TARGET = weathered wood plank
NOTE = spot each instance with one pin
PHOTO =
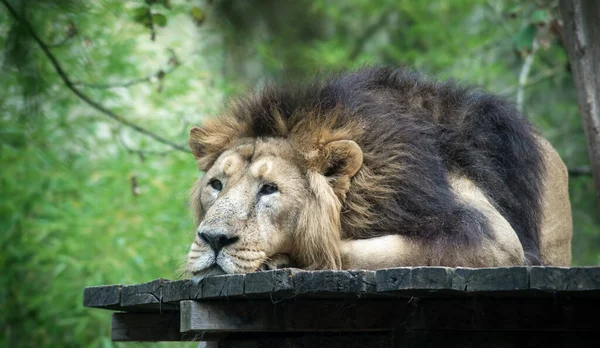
(335, 282)
(499, 279)
(451, 281)
(145, 296)
(423, 282)
(566, 279)
(418, 278)
(467, 313)
(409, 339)
(507, 314)
(153, 327)
(223, 286)
(104, 296)
(337, 340)
(175, 291)
(496, 339)
(148, 327)
(277, 282)
(288, 316)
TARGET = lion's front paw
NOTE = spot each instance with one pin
(276, 261)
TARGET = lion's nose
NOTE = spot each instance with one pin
(217, 241)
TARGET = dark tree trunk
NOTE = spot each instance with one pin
(581, 23)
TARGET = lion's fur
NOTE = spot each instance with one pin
(399, 140)
(317, 236)
(556, 230)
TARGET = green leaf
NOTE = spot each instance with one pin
(538, 16)
(524, 38)
(197, 15)
(166, 3)
(514, 11)
(141, 13)
(159, 19)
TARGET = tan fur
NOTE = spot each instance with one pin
(310, 210)
(317, 235)
(500, 249)
(503, 249)
(557, 226)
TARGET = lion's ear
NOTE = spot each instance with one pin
(196, 142)
(344, 158)
(206, 145)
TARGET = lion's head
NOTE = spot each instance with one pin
(261, 196)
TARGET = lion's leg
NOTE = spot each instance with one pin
(400, 251)
(381, 252)
(499, 247)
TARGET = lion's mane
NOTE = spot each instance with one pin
(414, 132)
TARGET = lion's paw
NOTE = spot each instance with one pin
(276, 261)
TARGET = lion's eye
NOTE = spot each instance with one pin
(216, 184)
(268, 189)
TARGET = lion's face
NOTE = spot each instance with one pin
(249, 202)
(260, 197)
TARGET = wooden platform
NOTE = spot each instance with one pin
(503, 307)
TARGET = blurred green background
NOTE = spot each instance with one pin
(86, 200)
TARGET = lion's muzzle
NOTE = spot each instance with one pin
(216, 252)
(217, 240)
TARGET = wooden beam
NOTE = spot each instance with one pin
(103, 296)
(153, 327)
(409, 339)
(465, 314)
(286, 316)
(149, 327)
(331, 340)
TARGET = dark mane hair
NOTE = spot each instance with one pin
(414, 131)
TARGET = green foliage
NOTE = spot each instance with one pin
(197, 15)
(524, 39)
(539, 16)
(71, 222)
(159, 19)
(71, 213)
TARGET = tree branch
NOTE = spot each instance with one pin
(160, 75)
(114, 85)
(580, 171)
(142, 153)
(67, 81)
(535, 80)
(524, 75)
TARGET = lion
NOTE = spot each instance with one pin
(375, 168)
